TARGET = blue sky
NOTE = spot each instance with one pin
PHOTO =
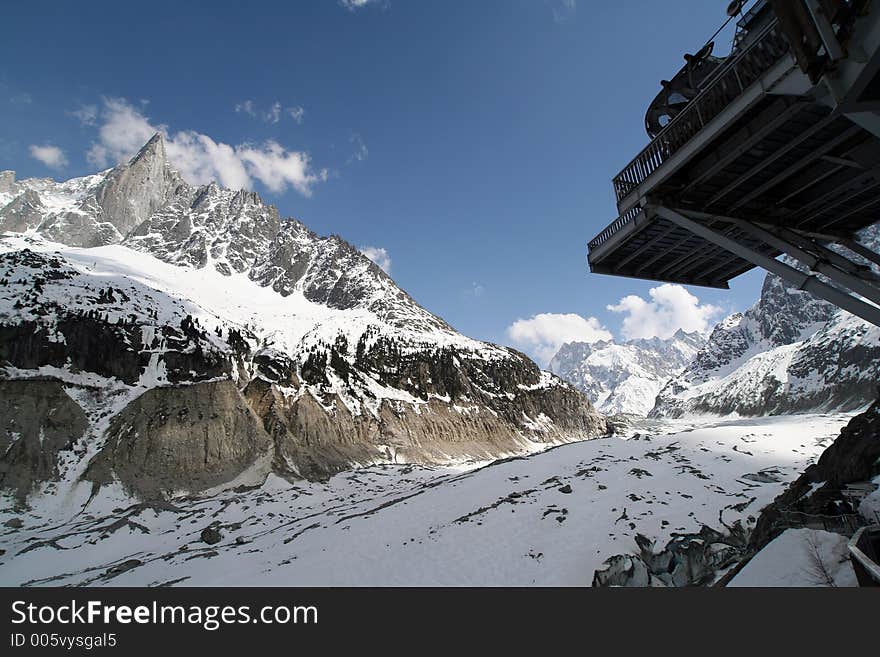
(473, 141)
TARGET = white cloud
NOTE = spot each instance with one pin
(276, 167)
(20, 99)
(52, 156)
(199, 158)
(354, 5)
(477, 290)
(87, 114)
(378, 255)
(670, 308)
(543, 335)
(122, 132)
(297, 113)
(361, 152)
(246, 106)
(274, 114)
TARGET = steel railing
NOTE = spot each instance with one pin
(863, 549)
(732, 78)
(614, 226)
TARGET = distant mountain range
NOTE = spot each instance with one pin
(625, 377)
(790, 352)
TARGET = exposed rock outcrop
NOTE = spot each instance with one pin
(187, 438)
(132, 192)
(854, 456)
(687, 560)
(38, 420)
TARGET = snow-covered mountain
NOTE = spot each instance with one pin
(790, 352)
(625, 377)
(173, 337)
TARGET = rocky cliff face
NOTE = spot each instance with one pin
(816, 499)
(625, 377)
(789, 352)
(206, 341)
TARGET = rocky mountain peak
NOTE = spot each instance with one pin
(7, 182)
(132, 192)
(154, 149)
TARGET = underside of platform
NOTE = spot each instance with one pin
(770, 158)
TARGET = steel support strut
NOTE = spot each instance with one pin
(862, 250)
(824, 266)
(804, 281)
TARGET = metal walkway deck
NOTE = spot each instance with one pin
(768, 158)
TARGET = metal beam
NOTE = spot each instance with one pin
(599, 269)
(806, 282)
(686, 264)
(734, 270)
(859, 208)
(848, 194)
(840, 261)
(826, 31)
(851, 132)
(678, 269)
(812, 262)
(663, 252)
(745, 139)
(647, 245)
(860, 249)
(626, 232)
(842, 161)
(805, 184)
(767, 161)
(719, 271)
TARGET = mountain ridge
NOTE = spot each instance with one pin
(125, 285)
(625, 377)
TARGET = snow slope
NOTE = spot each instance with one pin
(551, 518)
(800, 557)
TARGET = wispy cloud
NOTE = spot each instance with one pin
(296, 113)
(247, 107)
(563, 10)
(14, 97)
(52, 156)
(20, 99)
(86, 114)
(378, 255)
(475, 291)
(543, 334)
(354, 5)
(274, 114)
(671, 307)
(200, 159)
(361, 152)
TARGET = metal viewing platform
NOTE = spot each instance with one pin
(774, 149)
